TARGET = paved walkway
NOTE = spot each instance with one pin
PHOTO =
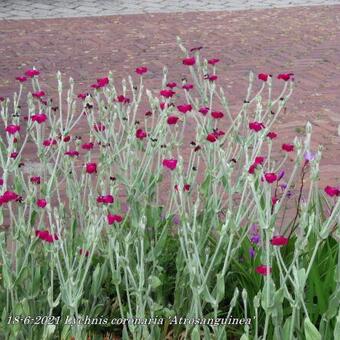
(273, 41)
(302, 40)
(28, 9)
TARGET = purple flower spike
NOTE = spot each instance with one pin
(252, 252)
(255, 239)
(176, 220)
(283, 186)
(309, 156)
(253, 228)
(281, 174)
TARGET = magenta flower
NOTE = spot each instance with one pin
(167, 93)
(122, 99)
(274, 200)
(279, 241)
(141, 134)
(114, 219)
(203, 110)
(213, 61)
(46, 236)
(211, 138)
(184, 108)
(41, 203)
(270, 177)
(49, 142)
(39, 118)
(256, 126)
(263, 76)
(332, 191)
(218, 133)
(82, 96)
(35, 180)
(99, 127)
(91, 168)
(172, 120)
(106, 199)
(102, 82)
(271, 135)
(171, 85)
(190, 61)
(141, 70)
(9, 196)
(85, 253)
(194, 49)
(12, 129)
(32, 73)
(287, 147)
(252, 168)
(263, 269)
(285, 76)
(188, 87)
(259, 160)
(170, 163)
(21, 79)
(72, 153)
(217, 115)
(87, 146)
(38, 94)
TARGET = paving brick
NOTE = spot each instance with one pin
(91, 7)
(273, 41)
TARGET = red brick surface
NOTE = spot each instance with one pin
(305, 41)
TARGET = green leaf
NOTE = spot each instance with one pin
(116, 278)
(311, 332)
(33, 218)
(154, 281)
(220, 288)
(333, 305)
(195, 334)
(158, 249)
(96, 282)
(22, 275)
(337, 327)
(17, 184)
(286, 328)
(25, 307)
(6, 276)
(43, 189)
(267, 301)
(207, 296)
(206, 185)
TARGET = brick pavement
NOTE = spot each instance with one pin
(28, 9)
(272, 41)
